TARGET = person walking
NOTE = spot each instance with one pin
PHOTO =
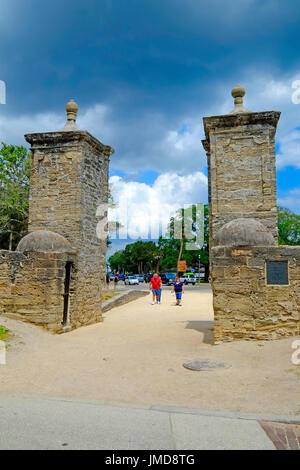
(116, 280)
(178, 288)
(107, 280)
(156, 286)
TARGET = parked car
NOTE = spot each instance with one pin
(164, 278)
(167, 278)
(148, 277)
(171, 278)
(201, 275)
(140, 278)
(188, 279)
(131, 281)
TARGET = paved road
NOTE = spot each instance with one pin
(145, 286)
(34, 424)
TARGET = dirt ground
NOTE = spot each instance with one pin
(135, 357)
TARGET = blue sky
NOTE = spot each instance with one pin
(144, 73)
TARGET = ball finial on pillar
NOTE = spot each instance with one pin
(238, 93)
(71, 109)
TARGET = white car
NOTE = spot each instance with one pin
(131, 281)
(188, 279)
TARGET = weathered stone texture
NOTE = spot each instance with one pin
(242, 172)
(245, 306)
(32, 287)
(69, 180)
(240, 150)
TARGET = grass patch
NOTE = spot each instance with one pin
(108, 295)
(3, 333)
(295, 370)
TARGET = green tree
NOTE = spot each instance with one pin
(169, 247)
(288, 227)
(140, 254)
(179, 249)
(117, 261)
(14, 192)
(136, 257)
(192, 256)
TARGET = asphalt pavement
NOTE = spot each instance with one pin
(145, 286)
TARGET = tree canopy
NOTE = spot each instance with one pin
(139, 256)
(14, 193)
(288, 227)
(163, 255)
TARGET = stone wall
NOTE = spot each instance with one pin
(242, 168)
(69, 180)
(32, 287)
(245, 306)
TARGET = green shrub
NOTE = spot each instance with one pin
(3, 332)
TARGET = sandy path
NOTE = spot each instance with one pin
(135, 357)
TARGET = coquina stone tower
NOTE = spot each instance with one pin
(256, 283)
(240, 150)
(69, 180)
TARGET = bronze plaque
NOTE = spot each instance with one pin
(277, 273)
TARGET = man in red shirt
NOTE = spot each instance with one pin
(156, 285)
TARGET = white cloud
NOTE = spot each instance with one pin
(13, 128)
(289, 150)
(144, 210)
(156, 141)
(270, 92)
(291, 200)
(184, 145)
(147, 143)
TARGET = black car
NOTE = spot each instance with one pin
(148, 277)
(167, 278)
(164, 278)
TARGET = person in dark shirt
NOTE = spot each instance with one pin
(116, 280)
(178, 288)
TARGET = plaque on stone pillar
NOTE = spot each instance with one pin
(277, 273)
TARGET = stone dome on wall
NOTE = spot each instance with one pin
(244, 232)
(45, 241)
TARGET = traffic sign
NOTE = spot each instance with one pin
(181, 267)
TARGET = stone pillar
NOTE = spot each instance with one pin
(69, 180)
(240, 148)
(255, 282)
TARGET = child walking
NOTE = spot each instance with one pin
(178, 288)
